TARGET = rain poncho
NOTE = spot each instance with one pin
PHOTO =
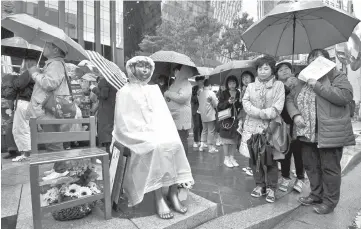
(143, 123)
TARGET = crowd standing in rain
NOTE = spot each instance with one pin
(266, 115)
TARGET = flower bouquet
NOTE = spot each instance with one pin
(183, 190)
(79, 182)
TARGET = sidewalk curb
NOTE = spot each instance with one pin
(348, 162)
(261, 217)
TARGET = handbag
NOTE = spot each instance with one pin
(224, 114)
(279, 138)
(61, 106)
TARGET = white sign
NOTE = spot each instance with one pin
(317, 69)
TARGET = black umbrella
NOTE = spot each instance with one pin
(18, 47)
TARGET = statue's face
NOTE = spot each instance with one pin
(142, 70)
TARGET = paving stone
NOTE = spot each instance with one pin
(200, 211)
(10, 199)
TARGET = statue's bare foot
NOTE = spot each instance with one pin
(163, 210)
(174, 201)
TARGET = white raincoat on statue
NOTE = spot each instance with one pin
(143, 123)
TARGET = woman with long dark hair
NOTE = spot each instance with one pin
(230, 99)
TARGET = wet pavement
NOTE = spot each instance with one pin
(230, 188)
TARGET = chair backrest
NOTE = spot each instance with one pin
(56, 137)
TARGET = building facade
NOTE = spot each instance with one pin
(226, 11)
(172, 10)
(96, 25)
(140, 18)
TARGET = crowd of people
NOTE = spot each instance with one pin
(317, 113)
(27, 91)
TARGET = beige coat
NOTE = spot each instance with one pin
(258, 117)
(206, 108)
(52, 79)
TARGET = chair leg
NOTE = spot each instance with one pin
(106, 180)
(35, 196)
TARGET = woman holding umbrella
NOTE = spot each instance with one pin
(320, 111)
(178, 98)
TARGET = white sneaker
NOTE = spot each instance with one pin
(218, 143)
(201, 147)
(227, 162)
(55, 175)
(233, 161)
(249, 172)
(195, 145)
(211, 150)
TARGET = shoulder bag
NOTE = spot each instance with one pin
(61, 106)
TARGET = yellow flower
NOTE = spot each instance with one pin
(85, 191)
(72, 191)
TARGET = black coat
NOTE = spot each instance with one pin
(106, 95)
(223, 104)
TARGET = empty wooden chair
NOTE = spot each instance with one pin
(66, 155)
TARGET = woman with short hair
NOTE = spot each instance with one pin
(320, 111)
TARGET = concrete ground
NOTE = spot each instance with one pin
(343, 215)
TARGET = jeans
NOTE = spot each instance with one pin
(197, 127)
(324, 172)
(295, 150)
(183, 134)
(208, 132)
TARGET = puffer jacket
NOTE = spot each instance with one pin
(333, 95)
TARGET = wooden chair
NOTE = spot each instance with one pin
(66, 155)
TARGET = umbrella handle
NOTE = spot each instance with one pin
(41, 55)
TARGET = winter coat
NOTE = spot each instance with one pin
(106, 94)
(179, 103)
(206, 108)
(50, 80)
(258, 117)
(333, 95)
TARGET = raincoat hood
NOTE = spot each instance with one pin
(139, 78)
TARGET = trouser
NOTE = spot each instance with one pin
(197, 127)
(208, 132)
(9, 138)
(295, 150)
(21, 127)
(267, 176)
(58, 166)
(324, 172)
(183, 134)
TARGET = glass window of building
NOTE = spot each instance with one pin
(119, 24)
(71, 18)
(105, 23)
(89, 21)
